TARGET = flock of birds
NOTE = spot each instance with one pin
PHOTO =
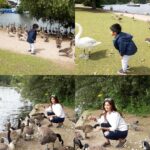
(87, 128)
(28, 129)
(45, 34)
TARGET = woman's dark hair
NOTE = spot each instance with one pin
(111, 102)
(113, 106)
(35, 26)
(55, 97)
(116, 28)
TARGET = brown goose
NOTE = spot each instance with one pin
(86, 129)
(48, 136)
(27, 131)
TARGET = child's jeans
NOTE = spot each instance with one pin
(124, 62)
(32, 47)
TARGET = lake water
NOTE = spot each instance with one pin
(143, 9)
(25, 19)
(12, 106)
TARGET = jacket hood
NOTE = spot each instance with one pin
(124, 36)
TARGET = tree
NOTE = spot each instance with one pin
(62, 10)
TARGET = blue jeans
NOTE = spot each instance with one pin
(55, 119)
(114, 135)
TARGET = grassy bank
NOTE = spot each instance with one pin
(104, 58)
(19, 64)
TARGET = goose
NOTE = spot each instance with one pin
(145, 145)
(86, 129)
(48, 136)
(39, 116)
(67, 148)
(96, 147)
(84, 42)
(67, 50)
(147, 40)
(77, 143)
(11, 143)
(58, 42)
(27, 131)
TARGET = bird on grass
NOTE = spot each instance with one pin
(86, 43)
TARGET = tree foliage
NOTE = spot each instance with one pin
(62, 10)
(131, 94)
(38, 89)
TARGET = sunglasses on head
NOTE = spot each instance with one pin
(108, 99)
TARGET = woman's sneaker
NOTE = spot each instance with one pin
(121, 72)
(121, 143)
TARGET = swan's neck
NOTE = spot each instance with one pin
(79, 32)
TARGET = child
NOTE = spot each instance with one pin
(32, 37)
(124, 44)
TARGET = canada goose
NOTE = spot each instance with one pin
(96, 147)
(78, 135)
(77, 143)
(134, 125)
(58, 42)
(86, 129)
(27, 131)
(67, 50)
(48, 136)
(10, 145)
(67, 148)
(46, 37)
(39, 116)
(145, 145)
(147, 40)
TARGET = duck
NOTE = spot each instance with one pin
(48, 136)
(86, 129)
(84, 42)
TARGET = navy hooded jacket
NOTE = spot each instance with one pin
(124, 44)
(31, 36)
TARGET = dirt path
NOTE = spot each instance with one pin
(134, 138)
(67, 132)
(47, 50)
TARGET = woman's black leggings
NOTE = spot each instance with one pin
(113, 135)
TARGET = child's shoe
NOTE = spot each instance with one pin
(121, 72)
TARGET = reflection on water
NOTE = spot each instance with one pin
(143, 9)
(12, 106)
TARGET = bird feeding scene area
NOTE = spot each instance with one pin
(43, 120)
(37, 42)
(95, 51)
(115, 113)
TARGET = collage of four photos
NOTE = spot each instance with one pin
(74, 75)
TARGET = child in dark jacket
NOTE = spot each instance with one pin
(124, 44)
(32, 38)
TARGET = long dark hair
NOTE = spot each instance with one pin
(113, 106)
(55, 97)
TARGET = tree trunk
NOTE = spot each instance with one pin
(93, 4)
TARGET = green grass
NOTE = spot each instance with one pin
(105, 58)
(19, 64)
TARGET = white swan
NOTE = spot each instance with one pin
(84, 42)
